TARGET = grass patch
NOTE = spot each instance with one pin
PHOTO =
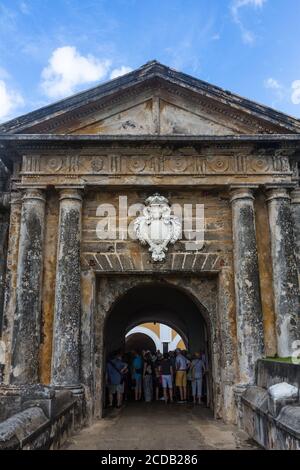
(287, 360)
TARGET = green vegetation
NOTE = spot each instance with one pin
(280, 359)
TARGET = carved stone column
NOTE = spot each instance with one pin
(11, 282)
(285, 277)
(26, 328)
(247, 287)
(66, 334)
(295, 195)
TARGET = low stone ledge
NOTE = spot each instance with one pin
(47, 417)
(269, 373)
(289, 420)
(271, 432)
(256, 398)
(15, 430)
(280, 395)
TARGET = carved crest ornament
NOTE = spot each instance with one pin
(157, 227)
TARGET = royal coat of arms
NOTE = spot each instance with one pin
(157, 227)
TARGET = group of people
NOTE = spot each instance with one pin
(176, 375)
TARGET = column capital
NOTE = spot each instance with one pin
(277, 192)
(295, 196)
(241, 192)
(69, 193)
(34, 194)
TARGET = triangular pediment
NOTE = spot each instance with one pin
(153, 116)
(154, 100)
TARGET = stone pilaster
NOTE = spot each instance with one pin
(295, 200)
(27, 316)
(285, 278)
(228, 354)
(10, 283)
(66, 334)
(247, 287)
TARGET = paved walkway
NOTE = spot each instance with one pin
(156, 426)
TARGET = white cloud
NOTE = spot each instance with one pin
(272, 83)
(278, 90)
(247, 36)
(295, 97)
(120, 71)
(67, 70)
(10, 100)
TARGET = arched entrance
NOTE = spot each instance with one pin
(139, 341)
(158, 302)
(164, 338)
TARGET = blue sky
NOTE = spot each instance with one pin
(50, 49)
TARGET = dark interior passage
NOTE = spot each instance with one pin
(159, 302)
(156, 302)
(139, 341)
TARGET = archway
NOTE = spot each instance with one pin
(164, 337)
(158, 302)
(138, 341)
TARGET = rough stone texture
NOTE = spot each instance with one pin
(247, 285)
(46, 422)
(87, 343)
(15, 430)
(281, 432)
(228, 357)
(66, 334)
(4, 226)
(270, 418)
(11, 284)
(269, 373)
(295, 200)
(27, 318)
(50, 252)
(263, 240)
(280, 395)
(285, 277)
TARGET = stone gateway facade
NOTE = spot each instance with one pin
(68, 296)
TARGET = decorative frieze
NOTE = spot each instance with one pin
(149, 164)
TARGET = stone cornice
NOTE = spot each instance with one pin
(260, 138)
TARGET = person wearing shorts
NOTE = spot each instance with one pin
(167, 377)
(182, 365)
(115, 371)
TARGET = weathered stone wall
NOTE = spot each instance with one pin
(272, 372)
(49, 273)
(174, 175)
(263, 241)
(270, 410)
(128, 255)
(37, 428)
(11, 282)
